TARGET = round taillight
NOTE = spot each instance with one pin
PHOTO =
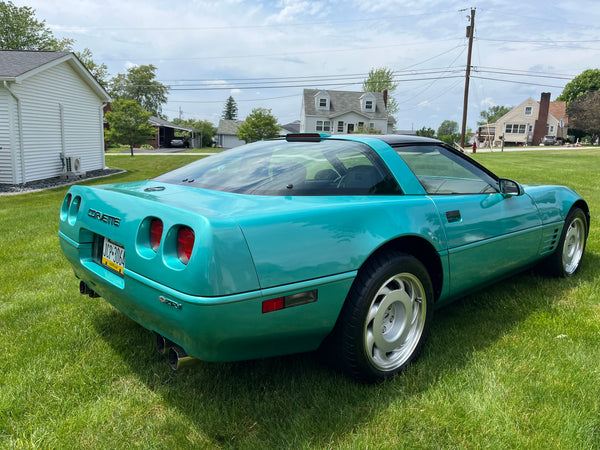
(156, 231)
(185, 244)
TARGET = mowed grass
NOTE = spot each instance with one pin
(515, 365)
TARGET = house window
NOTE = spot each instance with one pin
(361, 124)
(528, 110)
(323, 125)
(369, 104)
(323, 103)
(530, 129)
(340, 127)
(372, 125)
(515, 128)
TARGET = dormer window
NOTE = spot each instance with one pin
(322, 101)
(367, 102)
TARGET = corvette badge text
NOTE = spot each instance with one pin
(166, 301)
(111, 220)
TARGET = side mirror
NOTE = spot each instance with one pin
(510, 188)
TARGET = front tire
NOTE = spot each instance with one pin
(385, 318)
(566, 260)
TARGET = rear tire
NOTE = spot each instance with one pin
(566, 259)
(385, 318)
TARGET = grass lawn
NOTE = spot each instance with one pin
(513, 366)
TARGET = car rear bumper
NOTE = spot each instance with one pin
(225, 328)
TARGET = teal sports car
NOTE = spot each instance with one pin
(344, 244)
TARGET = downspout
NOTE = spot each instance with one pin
(102, 137)
(20, 123)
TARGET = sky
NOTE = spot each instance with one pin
(264, 53)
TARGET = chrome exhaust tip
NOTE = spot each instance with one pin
(178, 358)
(163, 344)
(84, 289)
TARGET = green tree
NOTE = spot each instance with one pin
(20, 30)
(448, 127)
(586, 81)
(99, 71)
(426, 132)
(260, 124)
(584, 114)
(139, 84)
(380, 80)
(449, 132)
(128, 124)
(230, 111)
(492, 114)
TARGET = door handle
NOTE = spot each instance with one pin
(453, 216)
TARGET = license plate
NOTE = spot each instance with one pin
(113, 256)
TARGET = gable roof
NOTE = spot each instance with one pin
(559, 111)
(15, 63)
(229, 127)
(342, 102)
(18, 65)
(158, 122)
(292, 127)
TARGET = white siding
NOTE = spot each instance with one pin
(310, 123)
(228, 141)
(41, 98)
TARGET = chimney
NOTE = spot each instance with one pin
(539, 131)
(385, 97)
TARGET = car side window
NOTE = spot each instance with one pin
(441, 172)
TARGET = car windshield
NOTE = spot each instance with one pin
(278, 167)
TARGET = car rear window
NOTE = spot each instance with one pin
(278, 167)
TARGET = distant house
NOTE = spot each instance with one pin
(343, 112)
(292, 127)
(51, 116)
(527, 123)
(227, 133)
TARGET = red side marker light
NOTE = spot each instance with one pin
(274, 304)
(301, 298)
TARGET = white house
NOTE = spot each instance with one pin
(343, 112)
(51, 116)
(227, 133)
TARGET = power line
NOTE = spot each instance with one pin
(518, 82)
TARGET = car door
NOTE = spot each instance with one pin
(488, 234)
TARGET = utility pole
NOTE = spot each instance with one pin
(470, 33)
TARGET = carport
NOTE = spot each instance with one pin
(165, 131)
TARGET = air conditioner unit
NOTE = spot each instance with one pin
(73, 165)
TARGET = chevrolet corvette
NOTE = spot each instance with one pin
(344, 244)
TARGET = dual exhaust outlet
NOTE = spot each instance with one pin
(84, 289)
(176, 355)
